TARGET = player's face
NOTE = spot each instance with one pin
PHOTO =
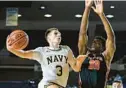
(96, 45)
(116, 85)
(55, 36)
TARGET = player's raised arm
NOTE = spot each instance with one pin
(16, 42)
(75, 63)
(83, 38)
(110, 42)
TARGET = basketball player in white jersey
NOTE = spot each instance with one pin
(54, 59)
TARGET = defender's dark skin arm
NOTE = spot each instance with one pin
(83, 38)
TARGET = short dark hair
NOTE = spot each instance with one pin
(49, 30)
(102, 39)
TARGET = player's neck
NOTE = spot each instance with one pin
(54, 46)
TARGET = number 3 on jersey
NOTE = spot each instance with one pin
(59, 70)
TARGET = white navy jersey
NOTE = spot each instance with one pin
(54, 65)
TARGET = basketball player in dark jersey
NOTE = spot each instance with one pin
(97, 58)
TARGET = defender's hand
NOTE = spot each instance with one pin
(88, 3)
(98, 6)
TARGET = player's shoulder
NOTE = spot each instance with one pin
(45, 48)
(65, 47)
(40, 48)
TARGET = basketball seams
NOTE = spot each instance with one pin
(17, 31)
(11, 35)
(18, 39)
(22, 46)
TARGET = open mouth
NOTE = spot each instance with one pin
(59, 38)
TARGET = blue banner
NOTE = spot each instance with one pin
(11, 16)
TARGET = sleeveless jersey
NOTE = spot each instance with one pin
(54, 65)
(93, 77)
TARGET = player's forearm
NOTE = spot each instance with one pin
(76, 67)
(17, 52)
(84, 21)
(107, 26)
(78, 63)
(83, 38)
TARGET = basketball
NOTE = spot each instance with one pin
(18, 39)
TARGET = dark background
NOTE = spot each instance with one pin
(35, 24)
